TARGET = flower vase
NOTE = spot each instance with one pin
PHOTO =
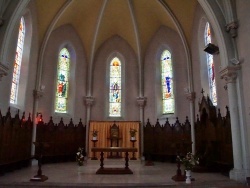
(80, 163)
(188, 176)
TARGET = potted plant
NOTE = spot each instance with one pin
(189, 161)
(95, 134)
(132, 133)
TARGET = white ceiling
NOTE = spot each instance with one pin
(134, 20)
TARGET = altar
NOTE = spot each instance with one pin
(104, 138)
(125, 170)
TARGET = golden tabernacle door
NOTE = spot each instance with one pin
(113, 134)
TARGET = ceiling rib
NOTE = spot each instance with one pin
(94, 46)
(46, 38)
(183, 39)
(138, 44)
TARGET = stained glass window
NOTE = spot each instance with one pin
(210, 66)
(167, 82)
(115, 88)
(17, 63)
(62, 85)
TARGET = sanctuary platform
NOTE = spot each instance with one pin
(69, 175)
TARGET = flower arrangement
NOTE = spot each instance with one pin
(94, 133)
(132, 132)
(189, 161)
(80, 156)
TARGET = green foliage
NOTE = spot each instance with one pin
(80, 156)
(189, 161)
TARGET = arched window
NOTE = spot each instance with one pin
(115, 88)
(17, 63)
(167, 83)
(210, 67)
(62, 81)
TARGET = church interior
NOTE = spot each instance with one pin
(173, 76)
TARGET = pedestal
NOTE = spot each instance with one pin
(94, 145)
(179, 176)
(133, 154)
(39, 177)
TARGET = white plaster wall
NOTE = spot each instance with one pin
(99, 111)
(243, 43)
(28, 66)
(5, 85)
(64, 36)
(31, 56)
(200, 74)
(165, 38)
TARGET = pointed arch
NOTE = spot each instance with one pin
(167, 83)
(62, 85)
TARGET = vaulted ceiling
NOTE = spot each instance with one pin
(95, 21)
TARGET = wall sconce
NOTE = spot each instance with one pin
(211, 49)
(39, 117)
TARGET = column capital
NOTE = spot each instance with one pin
(232, 28)
(37, 94)
(229, 73)
(141, 101)
(190, 96)
(3, 71)
(89, 100)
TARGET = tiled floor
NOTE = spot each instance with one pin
(69, 174)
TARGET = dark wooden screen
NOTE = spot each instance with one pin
(63, 140)
(15, 142)
(165, 142)
(213, 138)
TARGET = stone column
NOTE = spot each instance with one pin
(37, 94)
(89, 101)
(191, 97)
(141, 101)
(229, 74)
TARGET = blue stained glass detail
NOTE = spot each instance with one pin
(168, 83)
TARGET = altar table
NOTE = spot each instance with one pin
(103, 170)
